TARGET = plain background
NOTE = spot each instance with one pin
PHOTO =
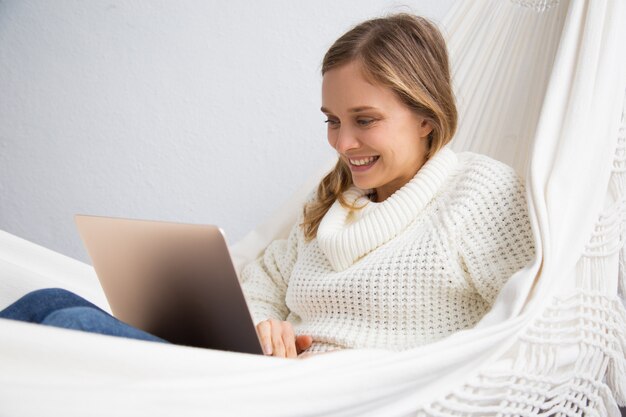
(189, 111)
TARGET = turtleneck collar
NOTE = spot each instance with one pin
(345, 240)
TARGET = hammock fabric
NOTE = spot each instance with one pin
(541, 85)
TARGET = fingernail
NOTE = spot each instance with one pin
(268, 349)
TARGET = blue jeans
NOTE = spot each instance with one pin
(62, 308)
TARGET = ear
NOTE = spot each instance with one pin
(425, 127)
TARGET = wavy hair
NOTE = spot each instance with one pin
(407, 54)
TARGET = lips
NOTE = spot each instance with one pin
(362, 158)
(362, 168)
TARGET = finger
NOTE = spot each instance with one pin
(265, 335)
(303, 342)
(289, 340)
(277, 339)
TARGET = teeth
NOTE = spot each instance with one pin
(363, 161)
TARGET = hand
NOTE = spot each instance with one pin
(278, 339)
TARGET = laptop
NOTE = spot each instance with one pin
(176, 281)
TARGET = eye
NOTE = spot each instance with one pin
(331, 123)
(364, 122)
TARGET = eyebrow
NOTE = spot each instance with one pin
(352, 110)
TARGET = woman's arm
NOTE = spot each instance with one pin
(496, 240)
(265, 282)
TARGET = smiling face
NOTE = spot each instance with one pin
(368, 120)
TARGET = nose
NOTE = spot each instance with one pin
(344, 139)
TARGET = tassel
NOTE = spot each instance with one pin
(608, 407)
(616, 380)
(616, 373)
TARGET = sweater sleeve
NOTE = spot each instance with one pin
(496, 238)
(264, 280)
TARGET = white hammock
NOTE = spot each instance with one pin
(541, 85)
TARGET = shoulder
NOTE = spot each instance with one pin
(484, 190)
(478, 166)
(484, 177)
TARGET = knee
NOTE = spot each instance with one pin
(78, 318)
(49, 294)
(55, 299)
(36, 305)
(94, 320)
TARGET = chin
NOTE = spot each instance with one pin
(363, 185)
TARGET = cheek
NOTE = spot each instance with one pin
(377, 140)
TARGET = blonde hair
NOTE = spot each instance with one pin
(407, 54)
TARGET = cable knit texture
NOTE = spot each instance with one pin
(426, 262)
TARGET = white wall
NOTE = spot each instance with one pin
(189, 111)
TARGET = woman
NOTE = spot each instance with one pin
(403, 243)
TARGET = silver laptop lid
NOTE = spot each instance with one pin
(174, 280)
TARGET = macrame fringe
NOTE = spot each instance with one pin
(622, 241)
(616, 374)
(570, 362)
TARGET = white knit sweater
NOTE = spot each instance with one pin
(424, 263)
